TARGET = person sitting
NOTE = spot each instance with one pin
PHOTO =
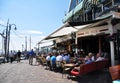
(66, 57)
(91, 56)
(53, 62)
(98, 57)
(59, 60)
(48, 59)
(87, 60)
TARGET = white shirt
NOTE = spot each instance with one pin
(99, 58)
(59, 58)
(48, 58)
(93, 58)
(11, 54)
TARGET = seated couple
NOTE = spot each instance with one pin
(89, 59)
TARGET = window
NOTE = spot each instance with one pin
(72, 5)
(79, 1)
(117, 2)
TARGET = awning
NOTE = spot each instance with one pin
(64, 30)
(70, 27)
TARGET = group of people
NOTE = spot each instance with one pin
(89, 59)
(54, 60)
(16, 56)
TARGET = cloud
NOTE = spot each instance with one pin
(17, 40)
(33, 32)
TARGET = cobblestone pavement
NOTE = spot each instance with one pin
(24, 73)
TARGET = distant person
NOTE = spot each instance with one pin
(26, 54)
(11, 56)
(18, 56)
(31, 56)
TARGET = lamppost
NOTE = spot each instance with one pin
(8, 35)
(7, 38)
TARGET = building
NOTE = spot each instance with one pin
(91, 25)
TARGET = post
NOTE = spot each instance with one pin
(7, 38)
(76, 41)
(111, 44)
(99, 41)
(6, 41)
(30, 42)
(25, 42)
(22, 47)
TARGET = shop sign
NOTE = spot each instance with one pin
(92, 31)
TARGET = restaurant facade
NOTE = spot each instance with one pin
(90, 25)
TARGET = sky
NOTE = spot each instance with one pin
(34, 19)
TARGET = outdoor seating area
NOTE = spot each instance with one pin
(68, 70)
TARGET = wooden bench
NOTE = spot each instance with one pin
(115, 72)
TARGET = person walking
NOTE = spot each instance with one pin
(18, 56)
(31, 56)
(26, 55)
(11, 56)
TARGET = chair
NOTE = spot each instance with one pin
(58, 66)
(64, 69)
(67, 68)
(44, 62)
(38, 58)
(115, 72)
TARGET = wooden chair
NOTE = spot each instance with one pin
(44, 62)
(115, 72)
(59, 66)
(67, 68)
(64, 69)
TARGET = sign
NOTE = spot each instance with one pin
(93, 31)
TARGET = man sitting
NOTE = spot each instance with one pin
(98, 57)
(87, 60)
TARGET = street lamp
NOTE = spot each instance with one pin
(9, 26)
(7, 37)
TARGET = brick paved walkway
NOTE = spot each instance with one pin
(24, 73)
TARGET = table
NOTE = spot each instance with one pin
(67, 68)
(69, 65)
